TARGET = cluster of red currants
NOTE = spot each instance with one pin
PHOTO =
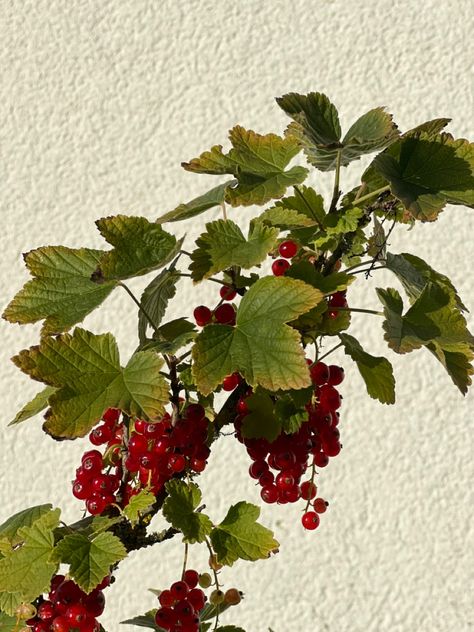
(224, 313)
(278, 466)
(68, 608)
(154, 454)
(288, 250)
(181, 604)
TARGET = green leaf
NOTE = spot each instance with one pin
(427, 172)
(223, 245)
(8, 623)
(377, 243)
(240, 536)
(431, 321)
(260, 347)
(316, 126)
(344, 221)
(138, 504)
(179, 509)
(28, 568)
(85, 369)
(377, 372)
(33, 407)
(155, 298)
(140, 246)
(25, 518)
(61, 291)
(289, 414)
(414, 274)
(334, 282)
(171, 336)
(305, 208)
(258, 163)
(261, 421)
(214, 197)
(210, 611)
(89, 559)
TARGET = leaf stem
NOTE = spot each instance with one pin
(336, 192)
(139, 305)
(369, 196)
(359, 310)
(329, 352)
(185, 561)
(216, 579)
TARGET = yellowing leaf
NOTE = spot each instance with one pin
(61, 291)
(257, 162)
(34, 407)
(85, 369)
(261, 347)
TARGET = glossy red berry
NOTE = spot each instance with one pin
(336, 375)
(320, 459)
(191, 577)
(202, 315)
(111, 416)
(320, 505)
(308, 490)
(225, 314)
(179, 590)
(165, 618)
(60, 624)
(231, 381)
(76, 614)
(269, 493)
(176, 462)
(166, 599)
(46, 611)
(319, 373)
(280, 266)
(310, 520)
(288, 249)
(227, 293)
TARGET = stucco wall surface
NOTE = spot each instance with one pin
(100, 102)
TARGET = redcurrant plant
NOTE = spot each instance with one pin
(264, 344)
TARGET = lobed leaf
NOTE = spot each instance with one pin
(25, 518)
(138, 504)
(61, 291)
(85, 370)
(155, 299)
(140, 247)
(261, 347)
(180, 507)
(240, 536)
(223, 245)
(89, 558)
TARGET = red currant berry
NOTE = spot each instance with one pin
(184, 610)
(176, 462)
(81, 490)
(257, 469)
(227, 293)
(225, 314)
(338, 300)
(269, 494)
(319, 373)
(195, 412)
(336, 375)
(96, 504)
(46, 611)
(198, 465)
(284, 480)
(166, 599)
(60, 624)
(100, 435)
(310, 520)
(280, 266)
(94, 603)
(231, 381)
(196, 598)
(320, 459)
(288, 249)
(329, 397)
(191, 577)
(179, 590)
(320, 505)
(76, 614)
(202, 315)
(111, 416)
(92, 461)
(165, 618)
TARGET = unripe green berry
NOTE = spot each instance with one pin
(216, 597)
(205, 580)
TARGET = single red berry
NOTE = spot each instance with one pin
(320, 505)
(336, 375)
(40, 626)
(231, 381)
(225, 314)
(308, 490)
(111, 416)
(94, 603)
(92, 461)
(191, 577)
(46, 611)
(319, 373)
(176, 462)
(227, 293)
(284, 480)
(105, 582)
(280, 266)
(258, 468)
(195, 412)
(267, 478)
(202, 315)
(310, 520)
(332, 448)
(288, 249)
(338, 300)
(184, 610)
(269, 494)
(329, 397)
(101, 434)
(165, 618)
(320, 459)
(242, 407)
(76, 614)
(96, 504)
(81, 490)
(60, 624)
(196, 598)
(179, 589)
(198, 465)
(166, 599)
(140, 425)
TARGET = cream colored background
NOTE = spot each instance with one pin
(100, 103)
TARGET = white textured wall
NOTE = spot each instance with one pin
(100, 102)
